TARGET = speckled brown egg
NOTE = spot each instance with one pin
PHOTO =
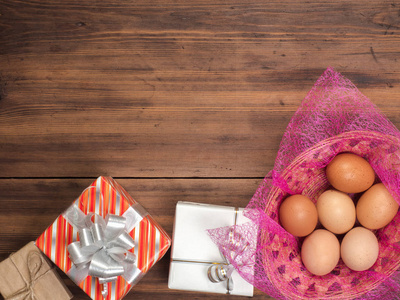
(350, 173)
(298, 215)
(376, 207)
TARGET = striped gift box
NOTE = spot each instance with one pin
(105, 196)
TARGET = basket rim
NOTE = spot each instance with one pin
(332, 140)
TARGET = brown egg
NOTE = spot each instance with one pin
(376, 207)
(350, 173)
(336, 211)
(320, 252)
(359, 249)
(298, 215)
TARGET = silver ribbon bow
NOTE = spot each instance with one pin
(219, 272)
(103, 247)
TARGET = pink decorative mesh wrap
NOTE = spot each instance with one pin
(334, 117)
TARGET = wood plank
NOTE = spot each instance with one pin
(151, 144)
(29, 206)
(175, 90)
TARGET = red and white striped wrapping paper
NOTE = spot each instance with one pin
(106, 197)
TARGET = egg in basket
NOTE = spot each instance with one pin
(334, 119)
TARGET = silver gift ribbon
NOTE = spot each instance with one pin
(103, 247)
(219, 272)
(223, 271)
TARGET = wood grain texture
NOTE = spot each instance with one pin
(177, 100)
(133, 89)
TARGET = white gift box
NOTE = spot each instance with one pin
(193, 251)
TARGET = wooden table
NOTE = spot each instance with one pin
(177, 100)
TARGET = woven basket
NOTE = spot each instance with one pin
(306, 175)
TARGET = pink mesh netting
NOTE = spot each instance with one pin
(334, 117)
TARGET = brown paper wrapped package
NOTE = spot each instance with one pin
(27, 274)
